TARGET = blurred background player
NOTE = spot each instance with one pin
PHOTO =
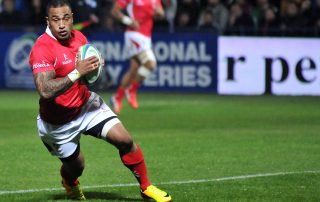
(139, 22)
(68, 108)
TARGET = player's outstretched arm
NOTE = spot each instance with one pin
(158, 11)
(116, 12)
(49, 86)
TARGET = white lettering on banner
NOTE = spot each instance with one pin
(204, 78)
(176, 51)
(203, 53)
(111, 50)
(281, 66)
(164, 51)
(151, 81)
(188, 76)
(181, 52)
(167, 76)
(193, 74)
(192, 53)
(177, 73)
(180, 76)
(114, 71)
(161, 50)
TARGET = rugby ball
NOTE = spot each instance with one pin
(85, 52)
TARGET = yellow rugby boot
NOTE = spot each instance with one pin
(156, 194)
(73, 192)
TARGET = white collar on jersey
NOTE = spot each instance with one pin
(48, 31)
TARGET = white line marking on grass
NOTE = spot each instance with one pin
(240, 177)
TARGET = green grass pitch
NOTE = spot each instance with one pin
(197, 147)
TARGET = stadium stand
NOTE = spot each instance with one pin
(224, 17)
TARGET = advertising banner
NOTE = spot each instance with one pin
(14, 59)
(186, 62)
(279, 66)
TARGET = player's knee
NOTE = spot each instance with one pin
(78, 170)
(144, 71)
(81, 169)
(74, 169)
(119, 137)
(125, 145)
(151, 64)
(147, 58)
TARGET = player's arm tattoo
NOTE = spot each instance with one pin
(49, 86)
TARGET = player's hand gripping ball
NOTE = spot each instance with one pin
(85, 52)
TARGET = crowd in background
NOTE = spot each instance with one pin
(223, 17)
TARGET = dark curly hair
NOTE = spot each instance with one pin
(56, 4)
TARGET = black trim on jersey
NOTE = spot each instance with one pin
(96, 130)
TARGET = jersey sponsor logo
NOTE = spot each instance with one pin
(66, 60)
(40, 65)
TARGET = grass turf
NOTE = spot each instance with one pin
(184, 137)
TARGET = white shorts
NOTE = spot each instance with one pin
(135, 43)
(63, 139)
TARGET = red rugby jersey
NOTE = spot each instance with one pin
(48, 54)
(142, 11)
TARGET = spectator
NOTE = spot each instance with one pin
(208, 23)
(269, 23)
(21, 5)
(10, 16)
(182, 15)
(219, 13)
(187, 11)
(36, 15)
(316, 18)
(170, 12)
(291, 22)
(183, 22)
(317, 26)
(259, 10)
(239, 22)
(306, 15)
(246, 5)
